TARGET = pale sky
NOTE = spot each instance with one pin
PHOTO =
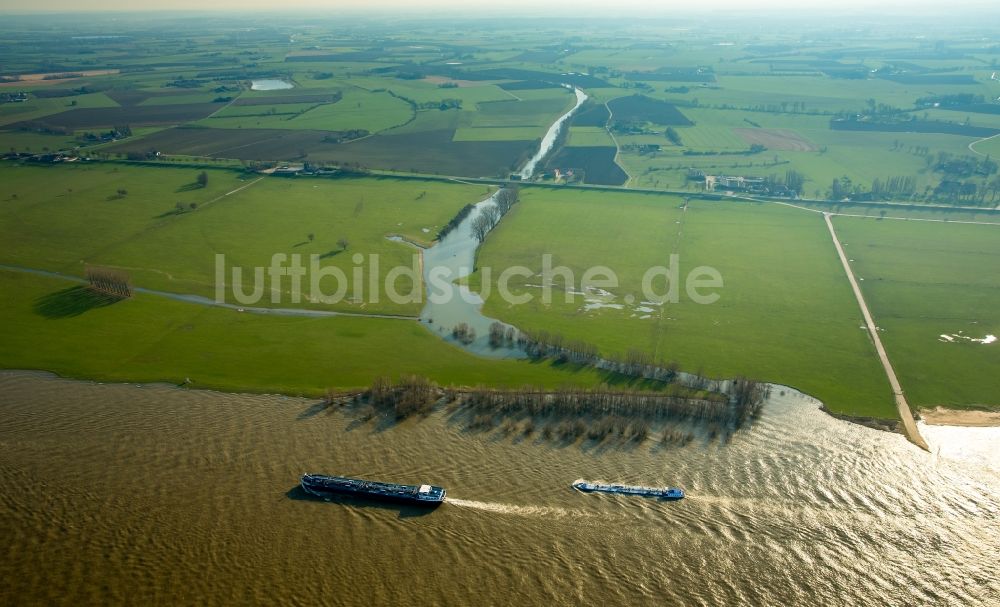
(617, 7)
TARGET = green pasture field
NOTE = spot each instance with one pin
(923, 280)
(162, 249)
(359, 109)
(53, 325)
(786, 312)
(536, 112)
(58, 217)
(707, 136)
(28, 141)
(587, 136)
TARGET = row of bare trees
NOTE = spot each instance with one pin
(542, 344)
(491, 215)
(601, 401)
(746, 398)
(570, 412)
(506, 198)
(109, 281)
(633, 363)
(408, 395)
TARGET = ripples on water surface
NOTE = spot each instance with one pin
(115, 494)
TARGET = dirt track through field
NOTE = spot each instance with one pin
(618, 147)
(909, 426)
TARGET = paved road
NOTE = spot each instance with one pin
(909, 426)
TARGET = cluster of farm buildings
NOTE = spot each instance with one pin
(740, 183)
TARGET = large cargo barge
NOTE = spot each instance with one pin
(666, 493)
(340, 486)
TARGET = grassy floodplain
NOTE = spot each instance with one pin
(786, 312)
(51, 325)
(478, 108)
(63, 217)
(925, 280)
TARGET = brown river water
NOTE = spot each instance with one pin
(119, 494)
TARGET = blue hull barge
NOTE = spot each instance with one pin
(327, 487)
(666, 493)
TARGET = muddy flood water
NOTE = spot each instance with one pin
(117, 494)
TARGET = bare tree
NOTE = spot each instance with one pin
(480, 227)
(343, 243)
(506, 198)
(492, 215)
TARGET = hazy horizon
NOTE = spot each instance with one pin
(453, 7)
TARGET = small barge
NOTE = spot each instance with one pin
(666, 493)
(340, 486)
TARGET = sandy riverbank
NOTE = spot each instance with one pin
(941, 416)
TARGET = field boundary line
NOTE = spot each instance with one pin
(618, 147)
(236, 147)
(976, 223)
(231, 192)
(164, 222)
(801, 208)
(231, 101)
(905, 414)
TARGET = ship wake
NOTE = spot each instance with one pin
(532, 511)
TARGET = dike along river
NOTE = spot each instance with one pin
(149, 495)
